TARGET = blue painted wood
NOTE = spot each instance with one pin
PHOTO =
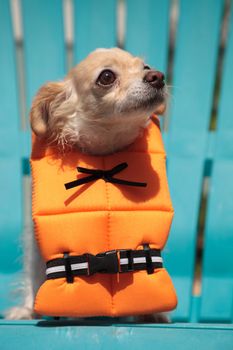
(9, 283)
(45, 58)
(107, 335)
(25, 142)
(9, 111)
(194, 77)
(147, 30)
(10, 163)
(94, 26)
(217, 288)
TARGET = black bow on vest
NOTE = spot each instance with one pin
(106, 175)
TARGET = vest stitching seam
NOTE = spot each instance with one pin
(108, 233)
(159, 153)
(33, 201)
(103, 210)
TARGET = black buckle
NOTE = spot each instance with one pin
(106, 262)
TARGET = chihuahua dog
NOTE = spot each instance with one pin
(102, 106)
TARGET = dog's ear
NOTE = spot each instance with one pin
(41, 106)
(52, 100)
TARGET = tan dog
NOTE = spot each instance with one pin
(101, 106)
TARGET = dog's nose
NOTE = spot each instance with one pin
(155, 79)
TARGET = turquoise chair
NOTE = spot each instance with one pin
(197, 155)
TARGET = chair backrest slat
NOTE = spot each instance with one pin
(11, 214)
(44, 44)
(147, 30)
(194, 77)
(94, 26)
(217, 283)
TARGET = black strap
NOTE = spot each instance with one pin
(149, 263)
(129, 254)
(69, 275)
(114, 261)
(106, 175)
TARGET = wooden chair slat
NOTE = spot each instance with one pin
(9, 111)
(94, 26)
(147, 30)
(195, 64)
(44, 45)
(10, 163)
(194, 77)
(217, 284)
(217, 288)
(225, 120)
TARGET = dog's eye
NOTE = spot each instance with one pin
(107, 77)
(147, 67)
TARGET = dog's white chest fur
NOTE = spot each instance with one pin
(104, 139)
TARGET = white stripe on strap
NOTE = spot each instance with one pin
(79, 266)
(61, 268)
(55, 269)
(141, 260)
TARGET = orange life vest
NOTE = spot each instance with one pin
(100, 216)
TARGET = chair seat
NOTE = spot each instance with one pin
(96, 335)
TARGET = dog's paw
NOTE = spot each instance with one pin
(19, 313)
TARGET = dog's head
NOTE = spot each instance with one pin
(109, 87)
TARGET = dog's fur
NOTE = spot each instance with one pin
(80, 113)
